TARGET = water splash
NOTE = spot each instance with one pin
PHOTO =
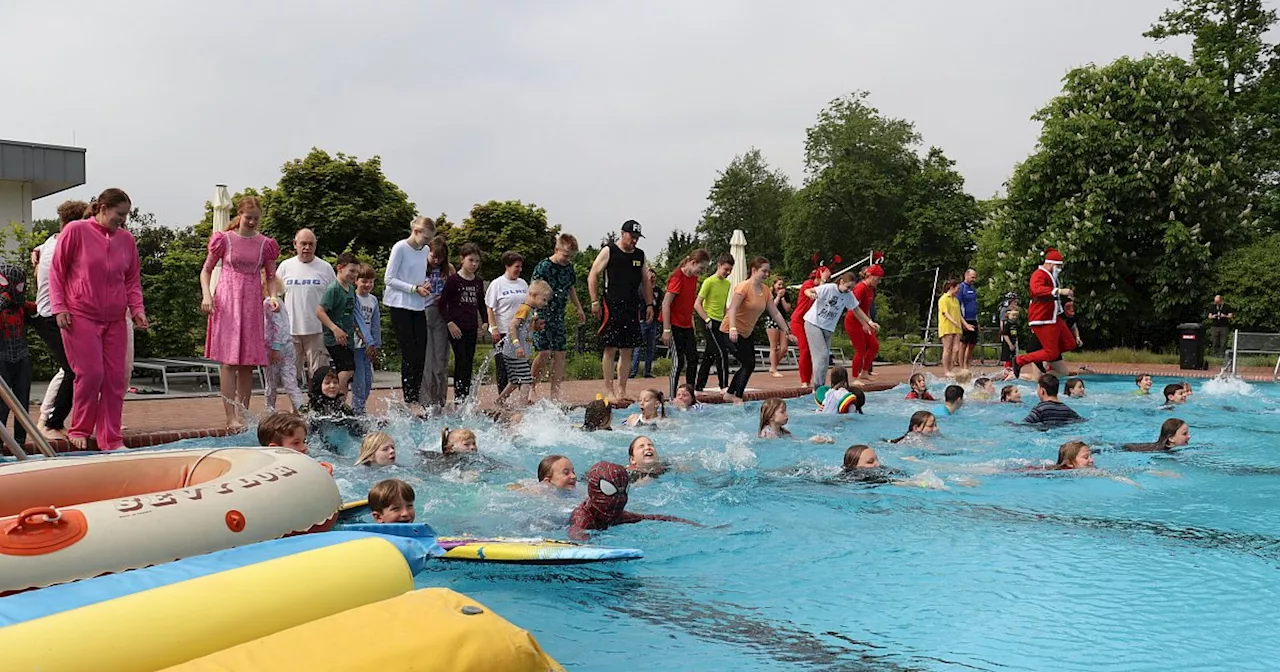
(1228, 387)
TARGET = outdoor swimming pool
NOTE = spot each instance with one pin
(1011, 572)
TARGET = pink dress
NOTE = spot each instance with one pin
(235, 334)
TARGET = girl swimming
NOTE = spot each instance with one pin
(556, 471)
(686, 399)
(1010, 394)
(774, 419)
(643, 460)
(653, 408)
(597, 417)
(377, 450)
(922, 422)
(1174, 433)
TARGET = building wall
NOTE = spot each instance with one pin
(15, 203)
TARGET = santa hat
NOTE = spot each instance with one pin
(1052, 256)
(875, 270)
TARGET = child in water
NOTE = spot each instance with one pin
(285, 430)
(1174, 394)
(838, 399)
(556, 471)
(919, 388)
(1174, 433)
(1074, 388)
(653, 408)
(1073, 455)
(1143, 381)
(1010, 394)
(686, 399)
(643, 460)
(327, 409)
(952, 400)
(984, 389)
(391, 501)
(921, 423)
(606, 503)
(774, 419)
(597, 417)
(377, 450)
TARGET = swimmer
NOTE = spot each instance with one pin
(556, 471)
(838, 398)
(922, 422)
(984, 389)
(861, 464)
(952, 400)
(597, 417)
(860, 457)
(1143, 381)
(391, 501)
(285, 430)
(606, 503)
(1010, 394)
(919, 388)
(1174, 433)
(326, 396)
(686, 399)
(457, 441)
(653, 408)
(1187, 387)
(963, 376)
(1174, 393)
(1073, 455)
(774, 419)
(643, 460)
(1074, 388)
(377, 450)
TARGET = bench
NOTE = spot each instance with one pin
(165, 369)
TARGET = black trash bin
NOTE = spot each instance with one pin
(1191, 346)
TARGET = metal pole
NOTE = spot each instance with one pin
(1235, 347)
(11, 443)
(23, 417)
(928, 322)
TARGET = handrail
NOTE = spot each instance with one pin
(23, 417)
(11, 443)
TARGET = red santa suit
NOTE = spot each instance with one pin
(1044, 316)
(865, 346)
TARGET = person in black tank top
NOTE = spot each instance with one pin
(628, 298)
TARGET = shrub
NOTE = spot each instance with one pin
(1247, 279)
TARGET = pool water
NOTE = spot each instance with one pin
(1155, 562)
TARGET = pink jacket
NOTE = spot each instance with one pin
(95, 274)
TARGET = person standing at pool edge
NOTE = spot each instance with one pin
(1220, 315)
(627, 286)
(552, 341)
(406, 289)
(306, 277)
(968, 297)
(677, 316)
(820, 276)
(1044, 315)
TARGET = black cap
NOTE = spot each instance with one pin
(632, 227)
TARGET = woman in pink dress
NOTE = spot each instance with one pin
(235, 336)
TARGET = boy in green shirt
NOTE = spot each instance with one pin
(713, 296)
(337, 313)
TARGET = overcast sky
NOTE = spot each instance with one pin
(598, 111)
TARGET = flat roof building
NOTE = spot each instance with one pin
(30, 171)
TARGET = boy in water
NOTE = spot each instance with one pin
(391, 501)
(952, 400)
(606, 503)
(286, 430)
(1143, 380)
(1174, 394)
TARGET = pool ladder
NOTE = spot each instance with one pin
(22, 417)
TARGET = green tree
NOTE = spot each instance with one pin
(1136, 180)
(349, 204)
(679, 245)
(1247, 278)
(746, 195)
(501, 226)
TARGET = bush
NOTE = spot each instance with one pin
(1247, 279)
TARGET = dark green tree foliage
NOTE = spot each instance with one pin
(349, 204)
(746, 195)
(679, 245)
(1247, 278)
(170, 261)
(501, 226)
(1136, 179)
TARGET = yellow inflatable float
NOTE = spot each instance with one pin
(71, 518)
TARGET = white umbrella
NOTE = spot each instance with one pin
(221, 218)
(738, 248)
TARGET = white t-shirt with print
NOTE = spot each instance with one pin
(44, 307)
(366, 305)
(304, 286)
(829, 305)
(504, 297)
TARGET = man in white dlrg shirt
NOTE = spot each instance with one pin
(305, 278)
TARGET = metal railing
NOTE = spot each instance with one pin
(1256, 343)
(23, 418)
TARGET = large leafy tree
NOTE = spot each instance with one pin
(750, 196)
(349, 204)
(679, 245)
(501, 226)
(1135, 179)
(1247, 277)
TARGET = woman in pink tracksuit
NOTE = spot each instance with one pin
(94, 278)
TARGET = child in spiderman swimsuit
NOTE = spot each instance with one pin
(15, 358)
(606, 503)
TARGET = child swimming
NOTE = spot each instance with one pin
(774, 419)
(286, 430)
(1174, 433)
(391, 501)
(919, 388)
(643, 460)
(653, 408)
(597, 417)
(921, 422)
(377, 450)
(606, 503)
(686, 398)
(1074, 388)
(556, 471)
(860, 457)
(984, 389)
(1010, 394)
(1174, 393)
(1143, 381)
(838, 398)
(1073, 455)
(952, 400)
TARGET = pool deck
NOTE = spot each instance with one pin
(156, 421)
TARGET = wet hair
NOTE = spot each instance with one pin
(839, 378)
(963, 376)
(1007, 391)
(1186, 386)
(981, 382)
(1171, 389)
(757, 263)
(662, 401)
(539, 288)
(275, 427)
(384, 493)
(767, 410)
(71, 211)
(1068, 453)
(596, 415)
(469, 249)
(951, 282)
(1071, 384)
(1049, 383)
(567, 241)
(1137, 380)
(852, 454)
(544, 467)
(346, 259)
(108, 199)
(953, 393)
(372, 442)
(914, 377)
(510, 259)
(447, 437)
(917, 421)
(697, 256)
(725, 258)
(859, 399)
(693, 394)
(365, 272)
(1168, 429)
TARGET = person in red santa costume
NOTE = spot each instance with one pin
(1044, 316)
(865, 343)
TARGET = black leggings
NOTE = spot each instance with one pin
(411, 333)
(48, 331)
(717, 353)
(464, 357)
(684, 355)
(18, 376)
(745, 352)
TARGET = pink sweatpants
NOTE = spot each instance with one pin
(96, 352)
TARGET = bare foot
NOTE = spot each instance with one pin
(775, 374)
(78, 442)
(235, 426)
(731, 398)
(54, 434)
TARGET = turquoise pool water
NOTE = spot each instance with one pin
(1157, 562)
